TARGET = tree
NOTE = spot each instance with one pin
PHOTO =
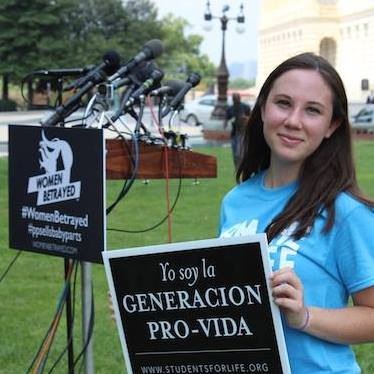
(241, 83)
(183, 52)
(74, 33)
(67, 33)
(36, 38)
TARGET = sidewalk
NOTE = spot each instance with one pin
(194, 133)
(21, 117)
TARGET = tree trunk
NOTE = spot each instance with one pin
(30, 94)
(5, 93)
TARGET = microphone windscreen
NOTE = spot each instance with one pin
(175, 86)
(142, 72)
(157, 74)
(154, 48)
(112, 62)
(194, 79)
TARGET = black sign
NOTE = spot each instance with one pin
(56, 191)
(199, 307)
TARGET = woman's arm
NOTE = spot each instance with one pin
(348, 325)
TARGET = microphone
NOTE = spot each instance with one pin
(68, 107)
(171, 88)
(132, 94)
(121, 82)
(137, 76)
(61, 72)
(110, 64)
(192, 80)
(146, 87)
(150, 50)
(94, 77)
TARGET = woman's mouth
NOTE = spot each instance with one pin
(289, 139)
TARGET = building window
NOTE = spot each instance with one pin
(366, 29)
(327, 49)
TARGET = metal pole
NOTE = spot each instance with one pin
(219, 111)
(86, 269)
(69, 320)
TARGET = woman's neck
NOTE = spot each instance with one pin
(280, 175)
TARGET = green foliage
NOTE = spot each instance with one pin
(32, 34)
(183, 52)
(7, 105)
(241, 83)
(76, 33)
(30, 290)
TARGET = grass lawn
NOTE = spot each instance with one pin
(30, 291)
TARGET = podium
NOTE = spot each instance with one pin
(182, 163)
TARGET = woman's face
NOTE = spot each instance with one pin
(297, 116)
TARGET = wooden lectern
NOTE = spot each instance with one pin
(182, 163)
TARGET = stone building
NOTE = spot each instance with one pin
(340, 30)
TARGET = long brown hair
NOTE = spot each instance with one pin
(324, 174)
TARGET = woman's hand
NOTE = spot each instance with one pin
(349, 325)
(288, 294)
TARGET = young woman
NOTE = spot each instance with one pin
(297, 183)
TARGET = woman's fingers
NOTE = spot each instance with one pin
(287, 291)
(288, 276)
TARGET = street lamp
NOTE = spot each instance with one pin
(219, 111)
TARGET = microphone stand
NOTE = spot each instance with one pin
(65, 109)
(139, 123)
(161, 103)
(125, 97)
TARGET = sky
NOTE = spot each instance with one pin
(238, 47)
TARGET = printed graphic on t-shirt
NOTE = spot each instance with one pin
(282, 249)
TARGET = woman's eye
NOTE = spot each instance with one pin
(283, 103)
(313, 110)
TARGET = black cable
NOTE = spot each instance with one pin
(72, 324)
(22, 93)
(134, 159)
(167, 215)
(45, 335)
(75, 263)
(58, 310)
(128, 183)
(90, 330)
(26, 100)
(120, 135)
(157, 224)
(24, 80)
(125, 188)
(10, 266)
(79, 119)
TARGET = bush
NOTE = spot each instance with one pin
(8, 105)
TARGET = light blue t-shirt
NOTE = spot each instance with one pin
(331, 265)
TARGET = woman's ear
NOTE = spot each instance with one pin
(333, 126)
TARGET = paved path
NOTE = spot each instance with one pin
(33, 118)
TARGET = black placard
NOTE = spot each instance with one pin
(199, 307)
(56, 191)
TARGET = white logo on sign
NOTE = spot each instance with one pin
(54, 186)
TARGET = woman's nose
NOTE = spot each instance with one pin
(294, 118)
